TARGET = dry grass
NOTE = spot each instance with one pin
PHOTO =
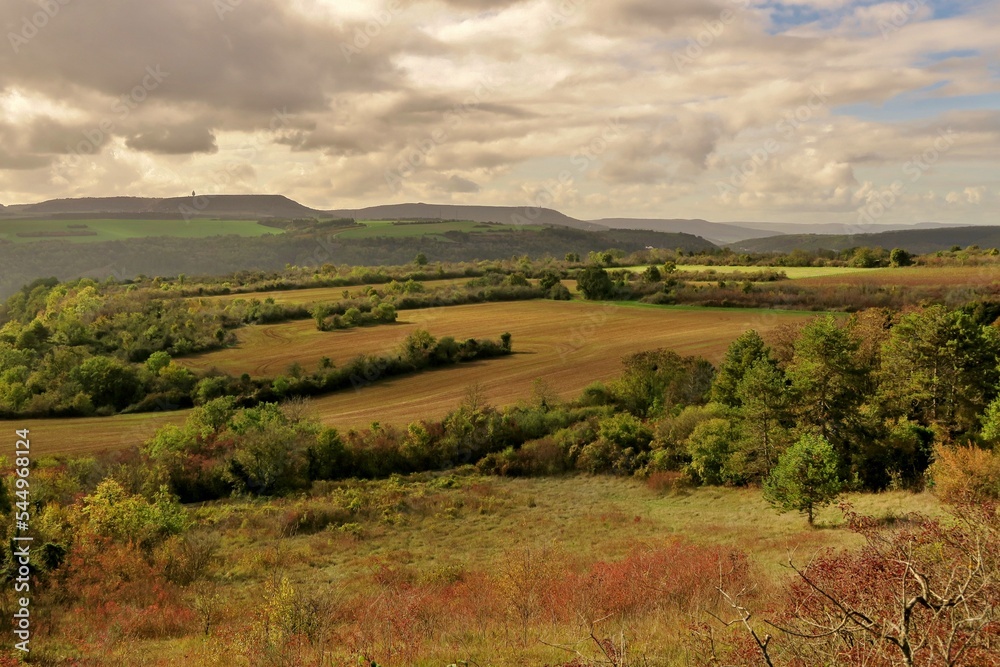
(603, 516)
(444, 551)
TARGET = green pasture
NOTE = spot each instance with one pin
(412, 229)
(93, 231)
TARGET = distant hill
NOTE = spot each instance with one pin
(839, 228)
(713, 231)
(511, 215)
(913, 240)
(734, 232)
(252, 206)
(170, 256)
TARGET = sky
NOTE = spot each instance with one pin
(729, 110)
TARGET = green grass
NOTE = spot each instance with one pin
(113, 230)
(793, 272)
(410, 229)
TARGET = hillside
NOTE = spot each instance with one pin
(913, 240)
(164, 256)
(512, 215)
(713, 231)
(840, 228)
(256, 206)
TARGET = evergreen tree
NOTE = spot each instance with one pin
(828, 384)
(764, 416)
(805, 478)
(744, 352)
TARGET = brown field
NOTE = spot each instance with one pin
(567, 344)
(914, 276)
(92, 434)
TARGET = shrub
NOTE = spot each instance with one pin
(112, 512)
(559, 292)
(668, 481)
(625, 431)
(113, 591)
(596, 393)
(923, 594)
(711, 448)
(184, 559)
(966, 474)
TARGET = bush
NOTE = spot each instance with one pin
(535, 458)
(660, 298)
(112, 512)
(711, 448)
(184, 559)
(668, 482)
(559, 292)
(966, 474)
(596, 393)
(625, 431)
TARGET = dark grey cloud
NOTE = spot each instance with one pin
(179, 140)
(654, 15)
(246, 62)
(461, 185)
(485, 5)
(36, 143)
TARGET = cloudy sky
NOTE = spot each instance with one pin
(805, 110)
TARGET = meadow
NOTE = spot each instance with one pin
(422, 570)
(433, 229)
(94, 231)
